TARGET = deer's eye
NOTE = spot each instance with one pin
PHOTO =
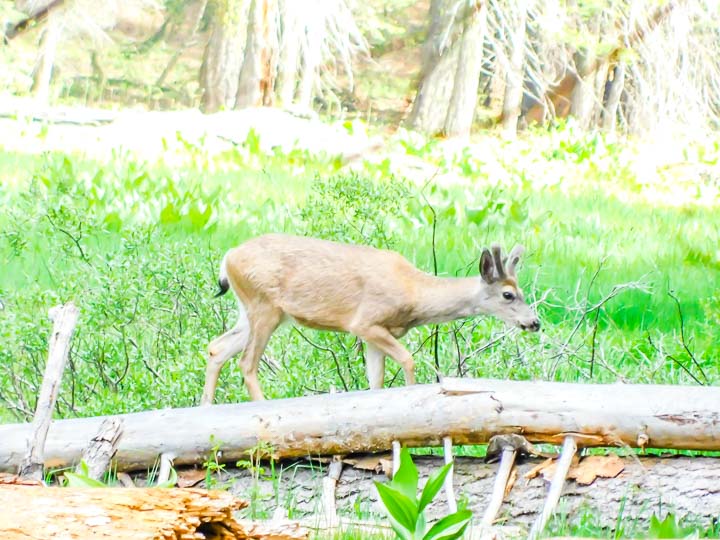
(508, 295)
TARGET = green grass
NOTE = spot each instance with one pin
(137, 247)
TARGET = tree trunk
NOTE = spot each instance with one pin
(685, 485)
(615, 90)
(439, 67)
(312, 58)
(42, 75)
(463, 100)
(466, 410)
(220, 69)
(514, 77)
(118, 513)
(257, 76)
(582, 99)
(289, 55)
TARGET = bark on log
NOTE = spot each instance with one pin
(687, 486)
(117, 513)
(469, 411)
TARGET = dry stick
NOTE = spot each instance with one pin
(449, 491)
(396, 457)
(507, 460)
(329, 483)
(569, 449)
(64, 320)
(166, 463)
(102, 448)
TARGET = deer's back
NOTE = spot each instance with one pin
(320, 283)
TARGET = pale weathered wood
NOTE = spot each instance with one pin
(117, 513)
(687, 486)
(102, 448)
(64, 320)
(569, 449)
(469, 411)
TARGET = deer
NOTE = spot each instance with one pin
(374, 294)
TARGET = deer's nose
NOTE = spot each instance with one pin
(532, 327)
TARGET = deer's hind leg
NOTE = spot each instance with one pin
(221, 350)
(264, 319)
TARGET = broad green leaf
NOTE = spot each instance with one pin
(399, 506)
(79, 480)
(433, 485)
(450, 527)
(169, 214)
(405, 480)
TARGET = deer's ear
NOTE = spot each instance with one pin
(514, 258)
(486, 267)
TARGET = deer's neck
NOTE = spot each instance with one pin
(446, 299)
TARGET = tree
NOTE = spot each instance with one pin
(262, 50)
(451, 62)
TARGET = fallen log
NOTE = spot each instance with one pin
(119, 513)
(469, 411)
(687, 486)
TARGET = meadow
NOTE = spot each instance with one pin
(622, 259)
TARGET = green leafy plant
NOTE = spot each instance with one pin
(670, 527)
(407, 513)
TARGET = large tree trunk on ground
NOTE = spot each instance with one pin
(220, 69)
(117, 513)
(463, 100)
(469, 411)
(514, 77)
(685, 485)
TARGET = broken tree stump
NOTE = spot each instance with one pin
(64, 320)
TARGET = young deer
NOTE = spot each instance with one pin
(377, 295)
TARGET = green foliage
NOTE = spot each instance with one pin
(407, 513)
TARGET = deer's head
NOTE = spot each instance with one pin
(503, 297)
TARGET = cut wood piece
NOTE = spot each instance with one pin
(469, 411)
(118, 513)
(567, 454)
(102, 448)
(64, 320)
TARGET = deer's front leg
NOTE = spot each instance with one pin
(382, 339)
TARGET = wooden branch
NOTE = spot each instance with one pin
(469, 411)
(64, 320)
(119, 513)
(563, 466)
(448, 486)
(102, 448)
